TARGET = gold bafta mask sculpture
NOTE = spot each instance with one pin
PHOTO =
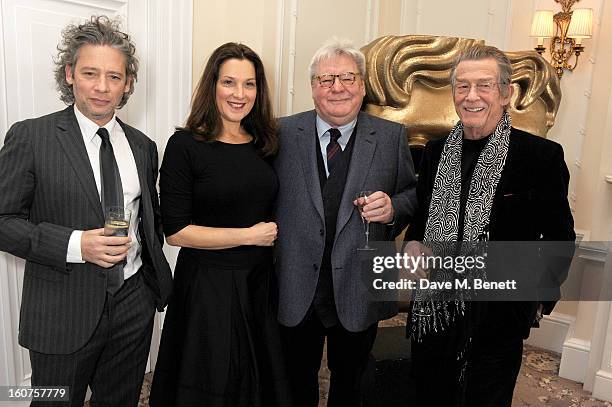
(408, 81)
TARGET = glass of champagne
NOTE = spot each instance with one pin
(117, 222)
(362, 200)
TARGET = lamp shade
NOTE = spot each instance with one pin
(581, 25)
(542, 24)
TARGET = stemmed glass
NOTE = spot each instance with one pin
(362, 200)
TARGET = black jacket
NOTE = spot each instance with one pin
(530, 204)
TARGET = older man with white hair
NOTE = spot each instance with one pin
(327, 156)
(486, 180)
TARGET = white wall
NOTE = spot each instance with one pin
(253, 23)
(480, 19)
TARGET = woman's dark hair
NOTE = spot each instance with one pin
(204, 119)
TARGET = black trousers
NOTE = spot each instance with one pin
(347, 357)
(113, 361)
(492, 372)
(492, 368)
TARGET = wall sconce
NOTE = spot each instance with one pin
(571, 28)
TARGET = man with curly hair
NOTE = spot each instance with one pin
(89, 297)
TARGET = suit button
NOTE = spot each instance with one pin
(314, 266)
(321, 232)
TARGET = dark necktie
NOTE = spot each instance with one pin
(333, 149)
(112, 191)
(112, 195)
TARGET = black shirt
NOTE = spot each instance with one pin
(470, 151)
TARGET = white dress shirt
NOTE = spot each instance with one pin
(129, 181)
(324, 138)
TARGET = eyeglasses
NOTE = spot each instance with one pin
(482, 88)
(326, 80)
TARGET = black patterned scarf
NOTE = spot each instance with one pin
(443, 220)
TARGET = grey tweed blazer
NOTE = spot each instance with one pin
(381, 161)
(47, 190)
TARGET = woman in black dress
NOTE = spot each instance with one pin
(220, 345)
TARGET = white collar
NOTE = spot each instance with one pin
(345, 130)
(89, 127)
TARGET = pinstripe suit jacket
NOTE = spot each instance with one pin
(47, 190)
(381, 161)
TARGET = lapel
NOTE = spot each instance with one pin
(516, 173)
(140, 157)
(306, 141)
(70, 138)
(361, 160)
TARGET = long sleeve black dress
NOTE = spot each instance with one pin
(220, 345)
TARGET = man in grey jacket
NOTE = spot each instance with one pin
(326, 157)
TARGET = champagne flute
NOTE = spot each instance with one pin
(362, 200)
(117, 221)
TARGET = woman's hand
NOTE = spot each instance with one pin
(212, 238)
(263, 234)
